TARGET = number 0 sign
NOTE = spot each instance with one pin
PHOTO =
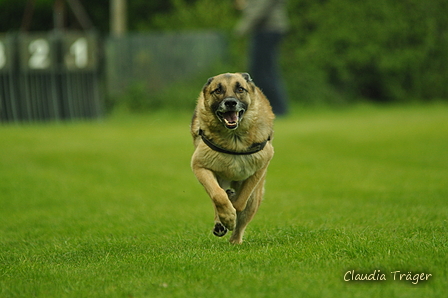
(5, 53)
(2, 55)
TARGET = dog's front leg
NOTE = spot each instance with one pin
(226, 212)
(247, 189)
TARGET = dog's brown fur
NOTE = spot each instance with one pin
(235, 183)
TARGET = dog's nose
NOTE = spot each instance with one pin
(230, 103)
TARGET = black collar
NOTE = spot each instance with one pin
(254, 148)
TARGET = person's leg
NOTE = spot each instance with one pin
(264, 69)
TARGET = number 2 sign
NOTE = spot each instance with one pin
(39, 50)
(36, 52)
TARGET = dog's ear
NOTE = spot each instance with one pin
(249, 80)
(209, 81)
(247, 77)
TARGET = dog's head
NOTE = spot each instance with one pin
(227, 96)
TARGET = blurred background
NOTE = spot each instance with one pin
(67, 59)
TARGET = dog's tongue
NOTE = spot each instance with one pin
(230, 117)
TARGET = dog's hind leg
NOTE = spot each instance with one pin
(248, 188)
(244, 217)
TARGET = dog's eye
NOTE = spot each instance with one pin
(240, 89)
(217, 90)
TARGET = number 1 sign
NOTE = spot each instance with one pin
(79, 52)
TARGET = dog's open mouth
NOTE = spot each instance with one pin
(231, 119)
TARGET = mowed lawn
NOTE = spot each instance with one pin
(112, 209)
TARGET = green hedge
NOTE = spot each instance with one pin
(383, 50)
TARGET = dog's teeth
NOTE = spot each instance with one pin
(229, 123)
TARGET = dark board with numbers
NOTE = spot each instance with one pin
(49, 76)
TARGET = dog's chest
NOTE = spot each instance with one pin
(237, 167)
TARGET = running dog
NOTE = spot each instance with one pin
(232, 129)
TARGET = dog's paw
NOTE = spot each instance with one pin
(227, 217)
(230, 194)
(236, 240)
(219, 230)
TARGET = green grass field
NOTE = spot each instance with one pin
(112, 209)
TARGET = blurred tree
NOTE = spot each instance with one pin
(11, 13)
(142, 11)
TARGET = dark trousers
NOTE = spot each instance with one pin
(264, 69)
